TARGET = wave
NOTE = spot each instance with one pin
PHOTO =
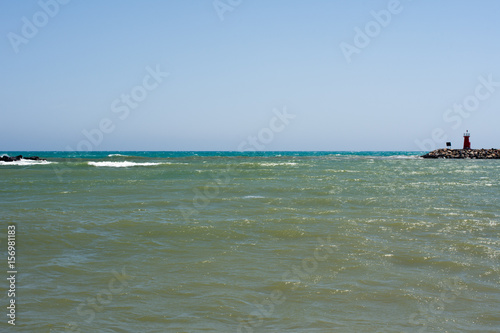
(117, 155)
(276, 164)
(124, 164)
(24, 162)
(268, 164)
(406, 157)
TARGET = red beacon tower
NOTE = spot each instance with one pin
(466, 140)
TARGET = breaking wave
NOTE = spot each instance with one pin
(124, 164)
(24, 162)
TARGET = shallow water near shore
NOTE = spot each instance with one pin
(255, 242)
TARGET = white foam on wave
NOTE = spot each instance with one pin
(405, 157)
(24, 162)
(253, 197)
(124, 164)
(116, 155)
(276, 164)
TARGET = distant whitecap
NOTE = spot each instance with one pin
(24, 162)
(277, 164)
(124, 164)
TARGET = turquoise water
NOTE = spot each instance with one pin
(255, 242)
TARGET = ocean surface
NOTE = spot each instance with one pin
(251, 242)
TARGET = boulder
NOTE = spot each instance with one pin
(6, 158)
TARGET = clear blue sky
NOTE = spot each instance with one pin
(229, 68)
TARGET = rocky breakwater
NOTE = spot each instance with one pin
(464, 153)
(6, 158)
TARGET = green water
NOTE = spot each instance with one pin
(271, 242)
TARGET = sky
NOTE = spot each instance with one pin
(241, 75)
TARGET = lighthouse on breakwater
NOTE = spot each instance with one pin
(466, 152)
(466, 140)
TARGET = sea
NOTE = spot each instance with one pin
(249, 242)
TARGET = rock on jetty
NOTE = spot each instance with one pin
(464, 153)
(5, 158)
